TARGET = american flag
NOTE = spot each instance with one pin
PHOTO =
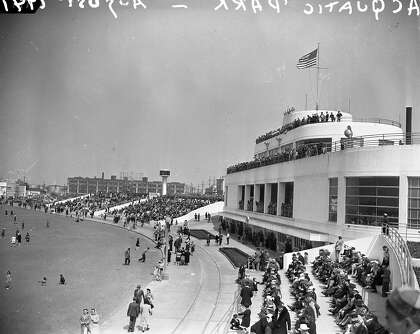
(308, 60)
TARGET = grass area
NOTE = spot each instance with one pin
(236, 256)
(201, 234)
(88, 254)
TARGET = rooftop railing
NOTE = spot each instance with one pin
(298, 123)
(378, 120)
(318, 148)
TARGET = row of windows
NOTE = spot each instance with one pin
(333, 199)
(414, 202)
(372, 191)
(373, 201)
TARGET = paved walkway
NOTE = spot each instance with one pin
(198, 298)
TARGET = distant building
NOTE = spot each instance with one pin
(12, 189)
(92, 185)
(56, 189)
(219, 186)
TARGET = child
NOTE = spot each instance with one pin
(235, 323)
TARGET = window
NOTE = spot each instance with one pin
(414, 202)
(333, 199)
(368, 198)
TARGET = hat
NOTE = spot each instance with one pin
(406, 301)
(304, 327)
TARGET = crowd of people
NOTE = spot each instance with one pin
(142, 305)
(159, 208)
(309, 119)
(347, 304)
(302, 151)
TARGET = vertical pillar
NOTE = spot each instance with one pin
(164, 185)
(341, 200)
(403, 206)
(281, 194)
(267, 196)
(78, 187)
(256, 196)
(247, 195)
(97, 186)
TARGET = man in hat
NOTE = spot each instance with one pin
(403, 311)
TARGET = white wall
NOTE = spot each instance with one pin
(311, 184)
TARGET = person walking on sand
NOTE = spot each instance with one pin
(143, 255)
(133, 312)
(127, 257)
(94, 317)
(145, 311)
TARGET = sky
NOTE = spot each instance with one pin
(187, 89)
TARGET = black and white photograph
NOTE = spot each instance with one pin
(210, 166)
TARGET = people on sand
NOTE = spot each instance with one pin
(43, 281)
(62, 280)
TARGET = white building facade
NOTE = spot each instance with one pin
(312, 183)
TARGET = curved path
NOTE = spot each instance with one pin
(196, 298)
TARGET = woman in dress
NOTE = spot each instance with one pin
(145, 310)
(94, 317)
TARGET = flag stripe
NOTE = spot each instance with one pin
(308, 60)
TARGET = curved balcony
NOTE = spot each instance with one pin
(315, 119)
(309, 150)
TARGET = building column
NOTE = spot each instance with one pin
(267, 196)
(247, 195)
(256, 196)
(341, 200)
(281, 193)
(403, 206)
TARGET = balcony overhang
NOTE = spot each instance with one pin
(277, 224)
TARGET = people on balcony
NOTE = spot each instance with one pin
(302, 151)
(309, 119)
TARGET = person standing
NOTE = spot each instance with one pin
(3, 232)
(339, 244)
(281, 319)
(137, 243)
(127, 257)
(385, 224)
(23, 226)
(133, 312)
(8, 280)
(27, 237)
(85, 322)
(94, 317)
(227, 238)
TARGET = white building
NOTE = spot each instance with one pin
(313, 183)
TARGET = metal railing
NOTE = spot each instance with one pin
(402, 253)
(377, 120)
(319, 148)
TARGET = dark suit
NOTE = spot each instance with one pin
(133, 312)
(246, 295)
(246, 318)
(281, 321)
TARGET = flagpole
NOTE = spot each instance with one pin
(317, 80)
